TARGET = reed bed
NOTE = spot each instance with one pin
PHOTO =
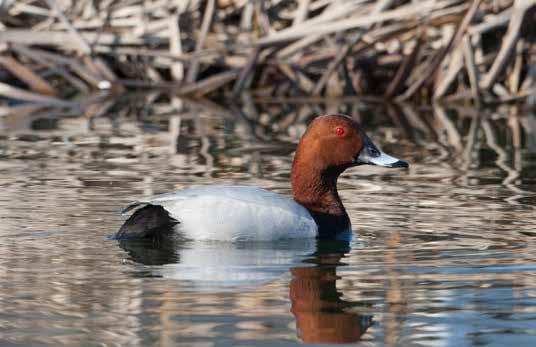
(71, 53)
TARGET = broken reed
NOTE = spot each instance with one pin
(57, 52)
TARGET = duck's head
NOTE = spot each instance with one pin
(333, 143)
(330, 145)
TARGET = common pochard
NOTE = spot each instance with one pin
(330, 145)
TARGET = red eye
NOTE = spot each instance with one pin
(339, 131)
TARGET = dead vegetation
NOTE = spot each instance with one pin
(66, 52)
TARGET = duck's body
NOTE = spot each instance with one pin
(235, 213)
(330, 145)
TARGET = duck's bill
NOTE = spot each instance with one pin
(371, 155)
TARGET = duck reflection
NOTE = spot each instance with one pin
(322, 315)
(152, 252)
(217, 264)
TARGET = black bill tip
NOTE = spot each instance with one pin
(400, 163)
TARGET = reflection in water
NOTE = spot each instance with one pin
(442, 256)
(215, 263)
(322, 315)
(152, 252)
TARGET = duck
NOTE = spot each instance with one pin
(330, 145)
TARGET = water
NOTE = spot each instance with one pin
(443, 255)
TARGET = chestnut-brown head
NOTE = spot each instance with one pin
(330, 145)
(333, 143)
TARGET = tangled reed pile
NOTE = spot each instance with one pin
(60, 52)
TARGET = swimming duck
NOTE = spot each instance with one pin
(330, 145)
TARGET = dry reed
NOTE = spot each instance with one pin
(57, 52)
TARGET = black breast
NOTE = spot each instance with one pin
(330, 225)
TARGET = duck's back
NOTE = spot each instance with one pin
(231, 213)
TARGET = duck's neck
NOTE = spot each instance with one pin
(316, 190)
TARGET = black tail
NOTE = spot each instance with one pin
(148, 221)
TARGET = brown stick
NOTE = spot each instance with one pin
(301, 12)
(83, 46)
(439, 56)
(208, 85)
(244, 73)
(404, 69)
(19, 94)
(346, 48)
(471, 70)
(175, 47)
(521, 7)
(207, 20)
(34, 81)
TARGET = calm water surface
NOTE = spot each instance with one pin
(443, 254)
